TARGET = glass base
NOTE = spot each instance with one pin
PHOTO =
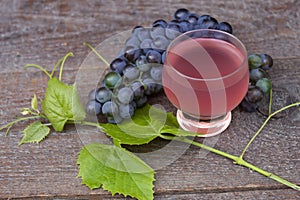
(208, 128)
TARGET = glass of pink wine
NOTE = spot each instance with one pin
(205, 76)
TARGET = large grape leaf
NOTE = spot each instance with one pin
(143, 127)
(34, 132)
(116, 170)
(61, 104)
(147, 123)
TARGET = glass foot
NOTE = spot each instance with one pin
(207, 128)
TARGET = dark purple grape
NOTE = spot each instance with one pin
(138, 90)
(143, 34)
(256, 74)
(193, 18)
(115, 119)
(157, 32)
(132, 41)
(125, 95)
(172, 30)
(118, 65)
(92, 94)
(126, 110)
(160, 23)
(248, 107)
(207, 22)
(163, 57)
(185, 26)
(141, 102)
(146, 45)
(153, 56)
(181, 14)
(109, 109)
(132, 53)
(131, 72)
(161, 43)
(254, 95)
(136, 29)
(93, 107)
(103, 95)
(224, 26)
(267, 61)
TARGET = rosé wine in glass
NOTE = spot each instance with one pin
(205, 76)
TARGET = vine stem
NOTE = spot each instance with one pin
(39, 67)
(96, 52)
(264, 124)
(63, 63)
(9, 125)
(237, 160)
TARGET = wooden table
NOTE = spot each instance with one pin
(42, 31)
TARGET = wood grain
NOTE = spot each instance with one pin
(43, 31)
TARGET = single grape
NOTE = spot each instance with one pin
(103, 95)
(181, 14)
(93, 107)
(112, 80)
(126, 110)
(118, 65)
(153, 56)
(150, 86)
(254, 94)
(248, 107)
(156, 72)
(264, 84)
(141, 102)
(143, 34)
(115, 119)
(133, 40)
(256, 74)
(161, 43)
(138, 89)
(185, 26)
(193, 18)
(92, 94)
(254, 61)
(160, 23)
(208, 23)
(203, 18)
(110, 108)
(131, 53)
(157, 32)
(146, 75)
(267, 61)
(172, 30)
(131, 72)
(136, 29)
(224, 26)
(146, 45)
(125, 95)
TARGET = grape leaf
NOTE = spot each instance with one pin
(61, 104)
(143, 127)
(35, 132)
(116, 170)
(147, 123)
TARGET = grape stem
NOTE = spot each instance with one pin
(39, 67)
(264, 124)
(63, 60)
(236, 160)
(96, 52)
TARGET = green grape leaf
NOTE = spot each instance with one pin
(146, 124)
(34, 103)
(116, 170)
(34, 132)
(142, 128)
(62, 104)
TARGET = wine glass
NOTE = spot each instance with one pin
(205, 76)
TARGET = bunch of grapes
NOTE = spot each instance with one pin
(259, 84)
(136, 72)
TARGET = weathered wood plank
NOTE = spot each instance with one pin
(42, 31)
